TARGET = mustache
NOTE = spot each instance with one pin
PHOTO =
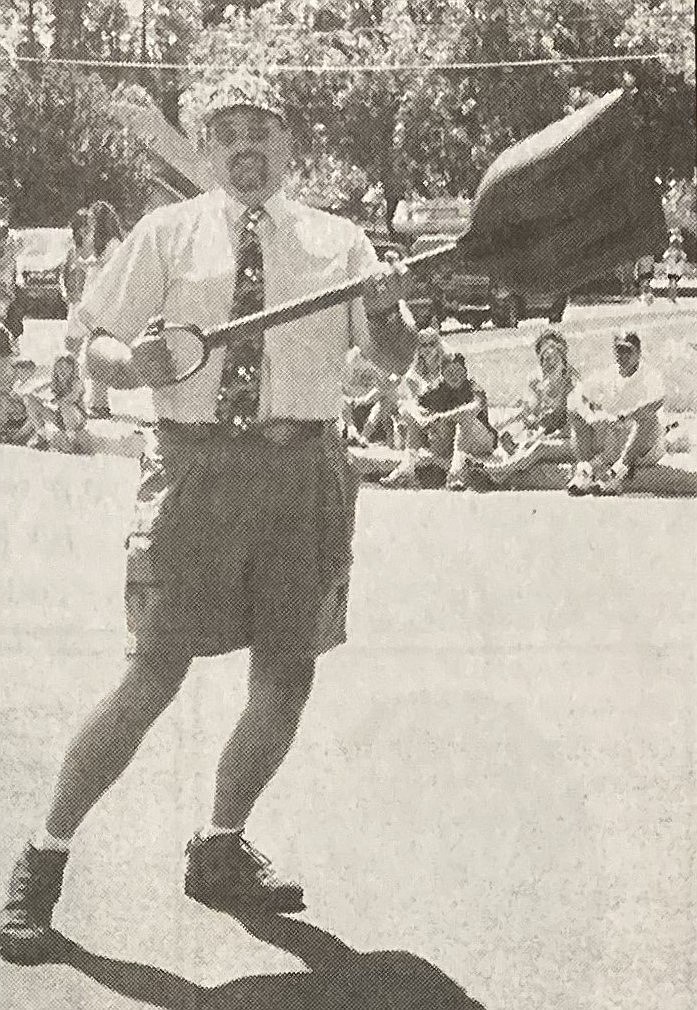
(254, 156)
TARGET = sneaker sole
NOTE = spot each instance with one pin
(246, 906)
(27, 952)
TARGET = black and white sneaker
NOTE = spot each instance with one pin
(226, 873)
(25, 920)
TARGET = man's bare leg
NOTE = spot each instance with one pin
(110, 737)
(223, 870)
(278, 691)
(95, 759)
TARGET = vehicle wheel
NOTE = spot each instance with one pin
(508, 312)
(557, 309)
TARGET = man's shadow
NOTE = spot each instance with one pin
(339, 978)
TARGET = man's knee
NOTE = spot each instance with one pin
(286, 674)
(151, 681)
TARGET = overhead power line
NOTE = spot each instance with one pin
(348, 68)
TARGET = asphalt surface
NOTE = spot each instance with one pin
(496, 775)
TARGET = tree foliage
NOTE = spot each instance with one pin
(60, 148)
(405, 131)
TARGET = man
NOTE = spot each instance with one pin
(245, 511)
(11, 312)
(616, 421)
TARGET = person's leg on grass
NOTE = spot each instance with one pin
(471, 438)
(637, 443)
(99, 400)
(584, 441)
(404, 475)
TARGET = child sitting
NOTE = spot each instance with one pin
(65, 412)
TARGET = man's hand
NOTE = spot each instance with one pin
(147, 363)
(386, 287)
(152, 358)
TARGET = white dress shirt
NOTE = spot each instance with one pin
(179, 262)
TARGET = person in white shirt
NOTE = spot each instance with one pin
(617, 421)
(644, 271)
(675, 259)
(245, 512)
(103, 237)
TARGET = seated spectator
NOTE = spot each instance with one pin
(16, 427)
(539, 433)
(443, 410)
(370, 402)
(675, 259)
(61, 423)
(617, 422)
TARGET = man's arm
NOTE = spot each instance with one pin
(381, 322)
(128, 293)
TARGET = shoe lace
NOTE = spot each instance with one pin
(260, 863)
(35, 889)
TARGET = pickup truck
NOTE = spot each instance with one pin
(445, 290)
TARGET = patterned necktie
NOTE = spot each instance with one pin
(240, 382)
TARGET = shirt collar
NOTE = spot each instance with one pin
(276, 205)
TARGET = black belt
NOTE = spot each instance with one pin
(278, 430)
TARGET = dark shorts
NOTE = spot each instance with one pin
(240, 542)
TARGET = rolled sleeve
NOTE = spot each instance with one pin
(130, 289)
(362, 259)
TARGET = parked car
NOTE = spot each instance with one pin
(446, 289)
(40, 259)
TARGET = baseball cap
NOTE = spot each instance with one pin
(244, 91)
(628, 339)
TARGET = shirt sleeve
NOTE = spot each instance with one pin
(130, 289)
(362, 259)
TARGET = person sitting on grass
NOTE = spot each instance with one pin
(61, 423)
(443, 410)
(540, 432)
(369, 401)
(16, 427)
(617, 422)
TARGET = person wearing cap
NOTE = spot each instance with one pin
(245, 510)
(617, 423)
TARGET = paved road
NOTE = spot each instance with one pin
(496, 775)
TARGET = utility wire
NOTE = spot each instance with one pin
(349, 68)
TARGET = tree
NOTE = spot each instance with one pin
(668, 85)
(410, 130)
(89, 156)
